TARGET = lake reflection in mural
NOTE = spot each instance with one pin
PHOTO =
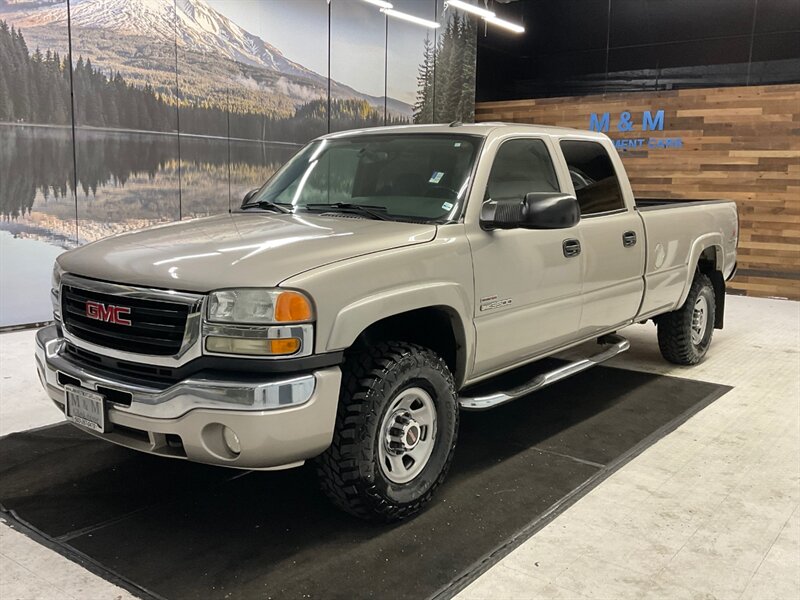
(125, 181)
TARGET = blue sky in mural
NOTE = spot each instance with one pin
(279, 23)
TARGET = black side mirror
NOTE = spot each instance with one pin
(249, 195)
(539, 210)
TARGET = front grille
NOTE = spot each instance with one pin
(157, 327)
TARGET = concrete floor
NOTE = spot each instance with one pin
(710, 511)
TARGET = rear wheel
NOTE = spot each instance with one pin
(684, 335)
(395, 432)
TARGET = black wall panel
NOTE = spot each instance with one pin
(777, 15)
(577, 47)
(643, 22)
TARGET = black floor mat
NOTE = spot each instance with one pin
(173, 529)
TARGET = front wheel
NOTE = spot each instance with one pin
(395, 432)
(684, 335)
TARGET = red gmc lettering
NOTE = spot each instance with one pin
(108, 313)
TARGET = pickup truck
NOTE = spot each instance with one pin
(347, 310)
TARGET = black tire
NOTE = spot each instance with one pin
(675, 329)
(349, 470)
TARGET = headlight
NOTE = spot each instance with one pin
(256, 306)
(255, 322)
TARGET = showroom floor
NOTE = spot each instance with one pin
(710, 511)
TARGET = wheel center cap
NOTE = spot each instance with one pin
(411, 436)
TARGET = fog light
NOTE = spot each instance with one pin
(231, 440)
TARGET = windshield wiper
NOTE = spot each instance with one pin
(268, 205)
(375, 212)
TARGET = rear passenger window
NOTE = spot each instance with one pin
(520, 167)
(594, 177)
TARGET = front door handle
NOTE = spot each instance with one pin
(629, 239)
(572, 247)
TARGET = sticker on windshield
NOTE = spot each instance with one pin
(436, 177)
(447, 206)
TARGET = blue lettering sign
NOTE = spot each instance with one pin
(601, 124)
(624, 123)
(651, 123)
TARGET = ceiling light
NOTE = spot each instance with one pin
(470, 8)
(380, 3)
(506, 24)
(410, 18)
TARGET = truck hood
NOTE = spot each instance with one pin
(238, 249)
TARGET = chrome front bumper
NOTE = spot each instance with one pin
(280, 421)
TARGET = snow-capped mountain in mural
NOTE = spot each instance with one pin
(198, 28)
(204, 28)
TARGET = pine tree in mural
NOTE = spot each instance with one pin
(466, 93)
(423, 108)
(33, 88)
(449, 95)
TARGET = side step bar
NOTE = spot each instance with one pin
(613, 344)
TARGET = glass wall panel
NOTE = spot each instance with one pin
(454, 75)
(126, 120)
(358, 65)
(247, 80)
(410, 50)
(37, 198)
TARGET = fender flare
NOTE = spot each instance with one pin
(354, 318)
(701, 244)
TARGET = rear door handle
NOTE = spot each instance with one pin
(629, 239)
(572, 247)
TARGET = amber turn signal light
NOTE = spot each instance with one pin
(292, 307)
(284, 346)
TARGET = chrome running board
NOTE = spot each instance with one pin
(613, 344)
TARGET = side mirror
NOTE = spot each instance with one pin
(249, 195)
(539, 210)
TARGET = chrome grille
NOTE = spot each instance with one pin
(157, 327)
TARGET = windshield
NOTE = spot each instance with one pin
(417, 177)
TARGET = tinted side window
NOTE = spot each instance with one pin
(520, 167)
(594, 177)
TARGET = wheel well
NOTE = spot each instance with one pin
(709, 264)
(437, 328)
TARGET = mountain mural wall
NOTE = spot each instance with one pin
(119, 114)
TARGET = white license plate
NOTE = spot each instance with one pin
(85, 408)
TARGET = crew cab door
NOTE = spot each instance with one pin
(612, 236)
(527, 282)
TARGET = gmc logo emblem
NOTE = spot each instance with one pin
(108, 313)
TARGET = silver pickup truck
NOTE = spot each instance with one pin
(345, 312)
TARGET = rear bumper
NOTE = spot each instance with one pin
(280, 421)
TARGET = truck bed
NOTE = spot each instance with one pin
(643, 204)
(675, 239)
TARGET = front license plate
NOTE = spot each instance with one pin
(85, 408)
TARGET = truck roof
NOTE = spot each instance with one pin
(481, 129)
